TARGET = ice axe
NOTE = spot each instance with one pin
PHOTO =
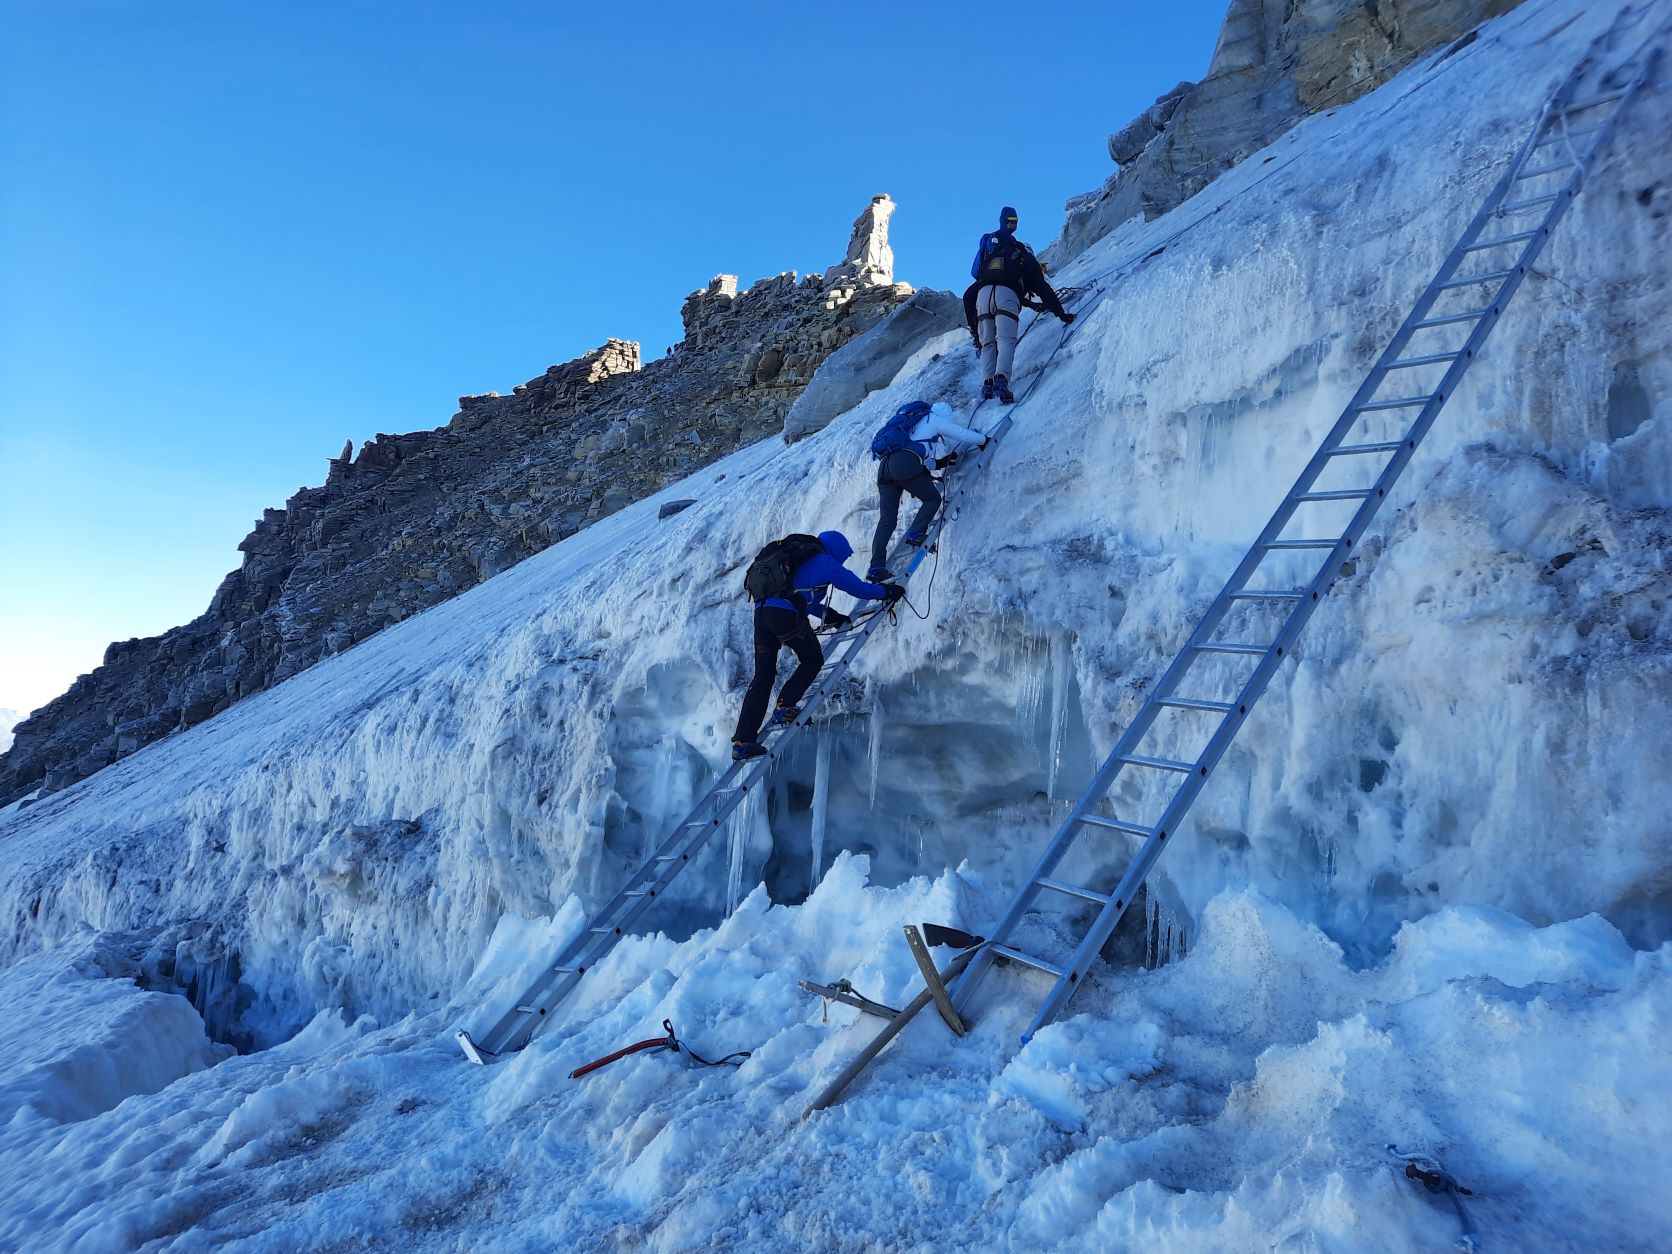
(936, 934)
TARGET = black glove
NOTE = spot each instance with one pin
(941, 463)
(985, 443)
(893, 592)
(835, 618)
(975, 343)
(1066, 317)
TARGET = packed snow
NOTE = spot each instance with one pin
(1424, 903)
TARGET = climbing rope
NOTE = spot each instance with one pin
(670, 1041)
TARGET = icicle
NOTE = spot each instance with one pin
(1059, 708)
(821, 806)
(1032, 694)
(663, 799)
(742, 823)
(876, 741)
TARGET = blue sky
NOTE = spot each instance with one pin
(233, 235)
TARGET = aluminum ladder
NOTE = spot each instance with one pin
(1191, 715)
(517, 1026)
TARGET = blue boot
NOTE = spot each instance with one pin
(877, 574)
(915, 538)
(743, 750)
(1001, 390)
(783, 716)
(986, 389)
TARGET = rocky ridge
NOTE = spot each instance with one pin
(414, 519)
(1276, 62)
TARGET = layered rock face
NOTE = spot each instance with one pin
(1276, 62)
(417, 518)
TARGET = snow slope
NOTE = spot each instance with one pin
(1423, 901)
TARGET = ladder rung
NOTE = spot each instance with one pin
(1196, 703)
(1300, 544)
(1560, 135)
(1491, 276)
(1160, 764)
(1593, 102)
(1450, 318)
(1544, 169)
(528, 1010)
(1522, 206)
(568, 971)
(1263, 594)
(1245, 650)
(1500, 240)
(635, 892)
(1336, 494)
(1115, 825)
(669, 857)
(1381, 446)
(602, 931)
(1005, 951)
(1431, 359)
(1073, 890)
(1404, 402)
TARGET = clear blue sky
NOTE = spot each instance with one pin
(233, 235)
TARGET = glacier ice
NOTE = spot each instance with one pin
(1426, 899)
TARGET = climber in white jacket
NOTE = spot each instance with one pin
(918, 438)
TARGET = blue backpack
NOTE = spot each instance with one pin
(896, 432)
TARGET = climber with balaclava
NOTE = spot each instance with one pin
(788, 581)
(919, 436)
(1007, 273)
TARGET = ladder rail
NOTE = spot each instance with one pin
(1402, 450)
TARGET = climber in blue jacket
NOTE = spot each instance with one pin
(789, 581)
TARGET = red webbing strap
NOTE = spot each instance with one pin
(670, 1041)
(655, 1042)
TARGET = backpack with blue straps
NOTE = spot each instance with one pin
(998, 260)
(895, 435)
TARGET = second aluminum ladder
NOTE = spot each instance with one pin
(1266, 602)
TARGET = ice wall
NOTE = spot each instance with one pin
(1476, 718)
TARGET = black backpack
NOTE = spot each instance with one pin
(1001, 262)
(772, 573)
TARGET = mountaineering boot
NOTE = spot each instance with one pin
(743, 750)
(915, 538)
(1001, 389)
(783, 716)
(877, 574)
(986, 389)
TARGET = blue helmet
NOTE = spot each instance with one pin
(836, 544)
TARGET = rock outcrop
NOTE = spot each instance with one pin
(870, 361)
(1276, 62)
(414, 519)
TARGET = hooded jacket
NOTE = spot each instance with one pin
(819, 573)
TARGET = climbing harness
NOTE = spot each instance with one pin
(1428, 1172)
(670, 1041)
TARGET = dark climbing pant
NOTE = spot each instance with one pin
(775, 627)
(902, 471)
